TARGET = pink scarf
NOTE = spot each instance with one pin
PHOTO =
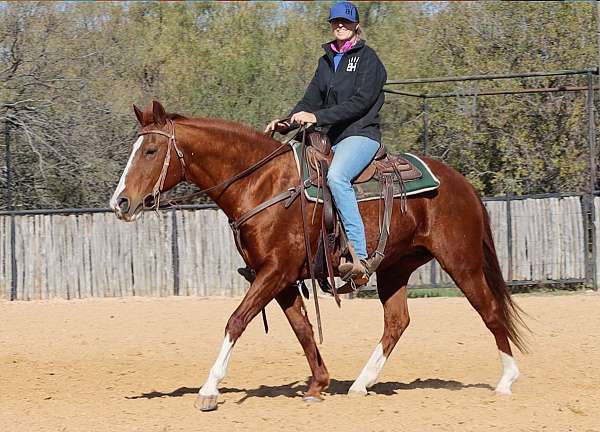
(347, 45)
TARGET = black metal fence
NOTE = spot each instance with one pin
(590, 126)
(586, 198)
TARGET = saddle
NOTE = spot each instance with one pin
(333, 245)
(319, 149)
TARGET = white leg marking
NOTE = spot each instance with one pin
(510, 372)
(121, 185)
(370, 372)
(217, 372)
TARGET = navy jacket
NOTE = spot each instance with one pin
(347, 102)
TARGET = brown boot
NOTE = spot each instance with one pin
(358, 271)
(358, 277)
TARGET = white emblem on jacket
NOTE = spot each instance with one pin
(352, 62)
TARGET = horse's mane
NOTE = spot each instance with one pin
(224, 126)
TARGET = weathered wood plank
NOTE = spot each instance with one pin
(5, 258)
(95, 255)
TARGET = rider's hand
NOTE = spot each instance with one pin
(303, 117)
(276, 125)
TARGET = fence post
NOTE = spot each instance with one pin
(425, 136)
(509, 237)
(175, 252)
(10, 207)
(592, 148)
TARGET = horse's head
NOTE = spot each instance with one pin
(148, 171)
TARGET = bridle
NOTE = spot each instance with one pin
(158, 186)
(172, 144)
(289, 196)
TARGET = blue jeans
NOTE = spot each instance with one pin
(351, 156)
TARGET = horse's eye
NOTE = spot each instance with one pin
(150, 151)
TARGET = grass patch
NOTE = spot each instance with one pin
(434, 292)
(532, 289)
(418, 293)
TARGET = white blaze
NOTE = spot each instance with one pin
(370, 372)
(121, 185)
(217, 372)
(510, 372)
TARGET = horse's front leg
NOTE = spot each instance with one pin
(291, 303)
(268, 283)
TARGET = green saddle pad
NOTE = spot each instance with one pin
(371, 190)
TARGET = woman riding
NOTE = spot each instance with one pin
(344, 97)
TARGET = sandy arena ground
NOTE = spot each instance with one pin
(136, 365)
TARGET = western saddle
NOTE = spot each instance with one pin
(333, 246)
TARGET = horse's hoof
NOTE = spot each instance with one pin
(312, 399)
(503, 391)
(357, 393)
(206, 403)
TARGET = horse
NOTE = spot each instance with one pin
(240, 168)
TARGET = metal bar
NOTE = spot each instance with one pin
(598, 29)
(67, 211)
(509, 237)
(425, 137)
(433, 273)
(84, 210)
(404, 93)
(592, 146)
(510, 283)
(13, 259)
(8, 162)
(175, 252)
(491, 76)
(9, 206)
(508, 92)
(585, 207)
(534, 196)
(547, 282)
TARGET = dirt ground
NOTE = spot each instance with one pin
(136, 364)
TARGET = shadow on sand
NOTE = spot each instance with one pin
(297, 388)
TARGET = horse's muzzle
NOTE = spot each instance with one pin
(125, 210)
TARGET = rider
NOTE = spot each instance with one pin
(345, 96)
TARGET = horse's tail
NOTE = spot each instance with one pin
(511, 312)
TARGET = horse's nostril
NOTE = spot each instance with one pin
(123, 204)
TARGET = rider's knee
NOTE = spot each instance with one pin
(336, 178)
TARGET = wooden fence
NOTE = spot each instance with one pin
(191, 252)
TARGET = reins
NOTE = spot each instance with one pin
(172, 143)
(289, 195)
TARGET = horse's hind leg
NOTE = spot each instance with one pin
(292, 305)
(391, 285)
(493, 305)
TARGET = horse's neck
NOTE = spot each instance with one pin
(216, 155)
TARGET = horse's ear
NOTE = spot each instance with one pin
(160, 116)
(139, 114)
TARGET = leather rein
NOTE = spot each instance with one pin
(289, 195)
(172, 144)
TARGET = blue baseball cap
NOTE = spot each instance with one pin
(345, 10)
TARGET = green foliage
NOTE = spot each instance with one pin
(70, 72)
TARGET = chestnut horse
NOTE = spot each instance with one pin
(450, 224)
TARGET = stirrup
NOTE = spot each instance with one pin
(357, 269)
